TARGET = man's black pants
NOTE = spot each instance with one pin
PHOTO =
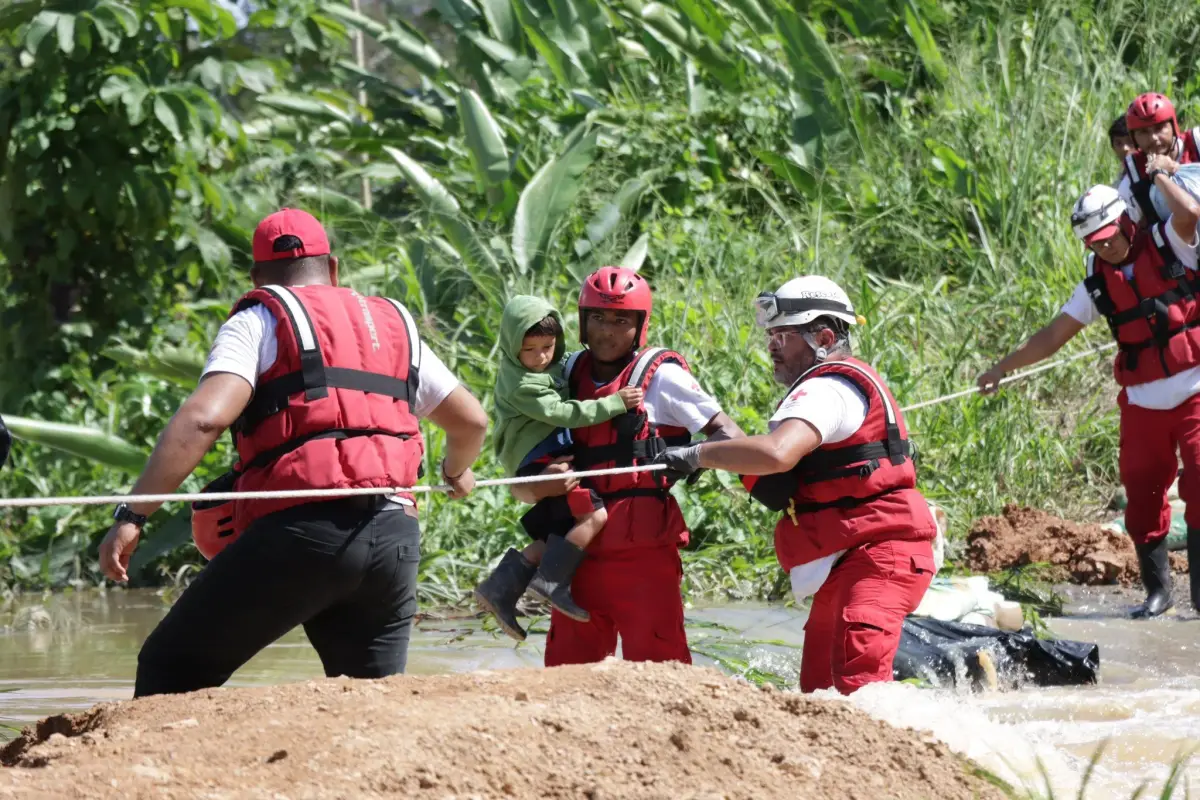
(346, 572)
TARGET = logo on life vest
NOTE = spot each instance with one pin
(612, 298)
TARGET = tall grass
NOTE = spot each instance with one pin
(941, 207)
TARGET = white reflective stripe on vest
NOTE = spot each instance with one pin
(642, 363)
(1132, 170)
(302, 325)
(887, 404)
(414, 342)
(1157, 232)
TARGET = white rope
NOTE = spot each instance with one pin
(180, 497)
(1016, 376)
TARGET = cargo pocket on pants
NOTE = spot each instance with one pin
(867, 642)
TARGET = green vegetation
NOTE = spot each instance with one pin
(924, 153)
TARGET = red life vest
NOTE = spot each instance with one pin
(641, 510)
(1140, 183)
(334, 410)
(1153, 315)
(859, 490)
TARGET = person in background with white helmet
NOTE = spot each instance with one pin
(838, 464)
(1161, 147)
(1143, 282)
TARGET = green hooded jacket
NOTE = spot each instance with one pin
(530, 405)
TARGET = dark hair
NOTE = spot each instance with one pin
(546, 326)
(840, 328)
(1119, 127)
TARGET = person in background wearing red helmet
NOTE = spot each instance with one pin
(1152, 123)
(630, 581)
(324, 389)
(1143, 282)
(838, 465)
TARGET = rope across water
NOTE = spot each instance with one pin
(188, 497)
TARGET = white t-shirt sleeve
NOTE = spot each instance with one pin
(1080, 307)
(436, 382)
(831, 404)
(674, 397)
(1184, 251)
(245, 345)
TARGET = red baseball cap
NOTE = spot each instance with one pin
(290, 222)
(1101, 234)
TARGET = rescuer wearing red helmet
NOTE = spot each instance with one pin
(1152, 123)
(1143, 282)
(630, 581)
(324, 389)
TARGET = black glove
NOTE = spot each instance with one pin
(682, 462)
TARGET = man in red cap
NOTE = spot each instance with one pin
(323, 389)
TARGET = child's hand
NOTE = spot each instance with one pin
(632, 396)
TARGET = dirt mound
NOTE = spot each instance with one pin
(1077, 552)
(615, 729)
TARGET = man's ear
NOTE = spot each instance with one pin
(333, 270)
(256, 277)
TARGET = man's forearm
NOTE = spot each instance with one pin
(462, 449)
(180, 449)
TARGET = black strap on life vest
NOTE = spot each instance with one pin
(315, 379)
(844, 502)
(1154, 310)
(627, 451)
(1140, 187)
(860, 460)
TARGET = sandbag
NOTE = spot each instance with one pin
(947, 655)
(1188, 178)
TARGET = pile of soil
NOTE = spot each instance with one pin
(614, 729)
(1077, 552)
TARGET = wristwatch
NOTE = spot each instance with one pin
(124, 513)
(1154, 173)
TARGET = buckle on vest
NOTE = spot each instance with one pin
(1173, 270)
(866, 469)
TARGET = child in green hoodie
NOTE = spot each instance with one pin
(534, 417)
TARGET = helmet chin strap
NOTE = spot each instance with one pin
(818, 351)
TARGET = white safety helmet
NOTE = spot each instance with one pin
(800, 301)
(1097, 214)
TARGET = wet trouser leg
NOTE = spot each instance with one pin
(634, 594)
(346, 573)
(859, 614)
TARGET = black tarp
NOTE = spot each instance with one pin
(946, 654)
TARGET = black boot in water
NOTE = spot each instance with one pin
(1193, 551)
(1156, 577)
(553, 580)
(502, 589)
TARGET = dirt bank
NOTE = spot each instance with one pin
(1078, 552)
(609, 730)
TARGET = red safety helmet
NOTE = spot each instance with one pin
(212, 520)
(1150, 109)
(618, 289)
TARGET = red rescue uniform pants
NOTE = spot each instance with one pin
(634, 594)
(1149, 441)
(854, 626)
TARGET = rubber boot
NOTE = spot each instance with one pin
(502, 589)
(1193, 554)
(1156, 577)
(553, 579)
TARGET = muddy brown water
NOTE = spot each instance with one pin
(68, 652)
